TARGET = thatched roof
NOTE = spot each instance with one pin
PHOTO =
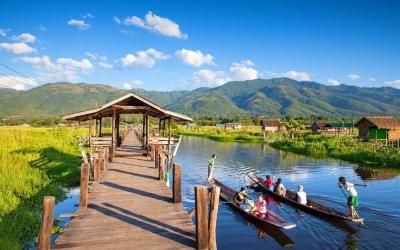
(380, 122)
(270, 123)
(128, 104)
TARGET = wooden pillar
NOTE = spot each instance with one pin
(100, 124)
(201, 202)
(159, 127)
(147, 130)
(156, 157)
(177, 195)
(162, 167)
(101, 157)
(212, 240)
(96, 169)
(46, 228)
(117, 123)
(143, 129)
(90, 127)
(164, 128)
(107, 158)
(84, 185)
(114, 134)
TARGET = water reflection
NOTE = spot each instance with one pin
(378, 203)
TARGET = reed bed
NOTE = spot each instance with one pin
(34, 162)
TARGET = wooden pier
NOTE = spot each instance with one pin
(129, 208)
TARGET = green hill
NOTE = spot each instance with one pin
(274, 97)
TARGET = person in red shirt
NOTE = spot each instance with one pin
(269, 182)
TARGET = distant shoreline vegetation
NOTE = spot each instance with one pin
(316, 146)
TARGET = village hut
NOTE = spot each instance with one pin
(233, 125)
(317, 127)
(270, 125)
(379, 128)
(332, 128)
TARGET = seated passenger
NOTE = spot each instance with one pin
(261, 206)
(280, 188)
(240, 196)
(269, 182)
(301, 196)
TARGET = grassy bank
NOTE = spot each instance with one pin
(246, 134)
(342, 148)
(34, 162)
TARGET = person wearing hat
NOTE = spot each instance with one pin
(240, 196)
(301, 196)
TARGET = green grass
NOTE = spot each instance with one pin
(34, 162)
(246, 135)
(343, 148)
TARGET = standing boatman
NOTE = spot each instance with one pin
(352, 195)
(211, 162)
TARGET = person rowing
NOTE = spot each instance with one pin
(240, 197)
(211, 162)
(352, 195)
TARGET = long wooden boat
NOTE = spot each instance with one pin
(273, 219)
(312, 206)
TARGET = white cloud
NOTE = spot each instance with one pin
(84, 64)
(127, 85)
(81, 24)
(42, 28)
(3, 32)
(106, 65)
(154, 23)
(209, 78)
(25, 37)
(244, 71)
(371, 78)
(16, 82)
(87, 15)
(296, 75)
(353, 77)
(17, 48)
(65, 69)
(194, 58)
(143, 58)
(117, 20)
(334, 82)
(138, 82)
(393, 84)
(96, 56)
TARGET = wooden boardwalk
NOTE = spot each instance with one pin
(130, 209)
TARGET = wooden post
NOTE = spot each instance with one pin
(106, 158)
(163, 127)
(114, 134)
(162, 167)
(117, 123)
(159, 127)
(201, 202)
(101, 159)
(46, 228)
(90, 127)
(212, 240)
(100, 124)
(96, 169)
(147, 130)
(156, 157)
(177, 195)
(84, 185)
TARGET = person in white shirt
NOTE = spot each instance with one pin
(301, 196)
(352, 195)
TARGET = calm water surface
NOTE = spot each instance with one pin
(379, 202)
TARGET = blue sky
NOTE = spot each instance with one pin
(172, 45)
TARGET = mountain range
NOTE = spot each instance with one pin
(272, 97)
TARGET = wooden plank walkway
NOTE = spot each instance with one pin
(130, 209)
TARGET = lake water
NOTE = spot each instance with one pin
(379, 202)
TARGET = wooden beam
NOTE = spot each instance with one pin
(96, 170)
(46, 228)
(122, 107)
(201, 202)
(84, 185)
(177, 195)
(212, 239)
